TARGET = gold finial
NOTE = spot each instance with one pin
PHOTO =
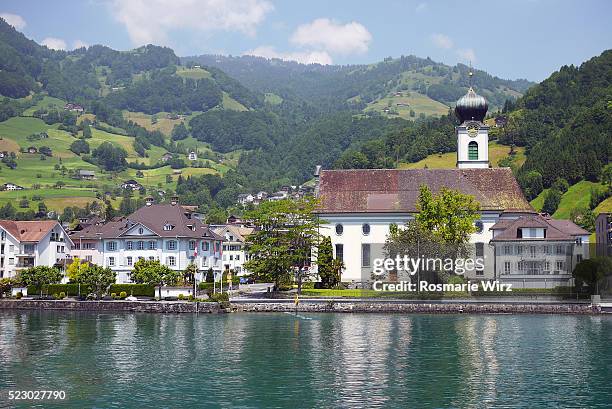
(470, 74)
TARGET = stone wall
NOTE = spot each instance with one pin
(309, 306)
(113, 306)
(427, 308)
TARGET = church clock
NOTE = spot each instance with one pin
(472, 128)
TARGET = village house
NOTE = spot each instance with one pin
(32, 149)
(86, 174)
(164, 232)
(74, 108)
(192, 156)
(535, 250)
(603, 234)
(166, 157)
(131, 185)
(11, 186)
(25, 244)
(234, 253)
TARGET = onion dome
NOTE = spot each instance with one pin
(471, 107)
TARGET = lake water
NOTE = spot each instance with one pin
(318, 360)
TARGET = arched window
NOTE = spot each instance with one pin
(473, 150)
(365, 229)
(339, 229)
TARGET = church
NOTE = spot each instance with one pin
(359, 206)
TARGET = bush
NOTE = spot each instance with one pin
(70, 289)
(113, 295)
(123, 295)
(62, 295)
(137, 290)
(181, 297)
(19, 295)
(219, 297)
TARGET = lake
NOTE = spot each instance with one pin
(319, 360)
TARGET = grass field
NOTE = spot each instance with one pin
(404, 102)
(163, 124)
(193, 73)
(577, 196)
(231, 104)
(449, 160)
(55, 199)
(272, 99)
(48, 103)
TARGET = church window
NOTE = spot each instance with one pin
(339, 229)
(365, 255)
(340, 252)
(365, 229)
(473, 150)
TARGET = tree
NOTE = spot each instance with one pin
(79, 146)
(75, 268)
(96, 278)
(450, 215)
(531, 183)
(606, 175)
(583, 217)
(589, 272)
(86, 130)
(179, 132)
(154, 273)
(330, 269)
(281, 247)
(111, 157)
(190, 272)
(561, 185)
(551, 201)
(40, 276)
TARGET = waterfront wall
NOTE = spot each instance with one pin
(318, 306)
(113, 306)
(413, 307)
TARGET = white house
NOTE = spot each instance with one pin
(360, 205)
(25, 244)
(193, 155)
(234, 254)
(12, 186)
(164, 232)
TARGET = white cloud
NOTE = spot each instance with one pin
(442, 41)
(78, 44)
(15, 20)
(149, 21)
(421, 7)
(306, 57)
(54, 43)
(467, 55)
(326, 35)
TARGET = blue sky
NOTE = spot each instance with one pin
(511, 39)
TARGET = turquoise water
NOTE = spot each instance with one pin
(320, 360)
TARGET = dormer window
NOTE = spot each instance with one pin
(168, 227)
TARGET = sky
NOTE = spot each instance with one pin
(510, 39)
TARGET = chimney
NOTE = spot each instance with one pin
(174, 200)
(148, 201)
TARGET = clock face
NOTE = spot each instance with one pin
(472, 129)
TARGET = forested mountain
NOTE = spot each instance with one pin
(259, 124)
(355, 86)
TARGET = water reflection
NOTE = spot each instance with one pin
(331, 360)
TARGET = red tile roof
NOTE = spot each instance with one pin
(397, 190)
(30, 231)
(556, 230)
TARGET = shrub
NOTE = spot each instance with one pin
(181, 297)
(70, 289)
(122, 295)
(137, 290)
(56, 296)
(62, 295)
(19, 295)
(114, 295)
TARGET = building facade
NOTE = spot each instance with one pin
(164, 232)
(537, 251)
(25, 244)
(603, 234)
(234, 253)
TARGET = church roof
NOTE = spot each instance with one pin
(397, 190)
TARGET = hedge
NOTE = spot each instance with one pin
(72, 290)
(50, 289)
(137, 290)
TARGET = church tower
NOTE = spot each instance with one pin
(472, 133)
